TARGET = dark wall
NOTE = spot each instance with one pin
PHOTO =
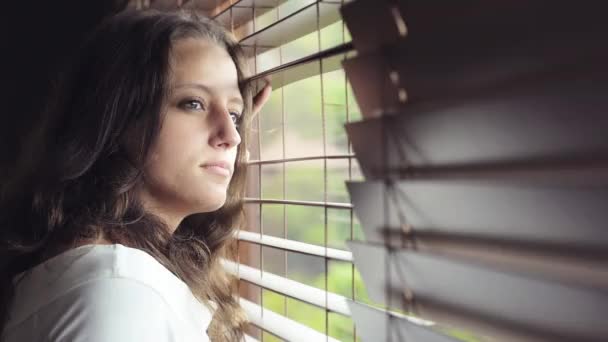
(36, 37)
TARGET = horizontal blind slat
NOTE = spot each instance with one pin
(550, 230)
(333, 205)
(293, 26)
(443, 23)
(482, 297)
(241, 11)
(283, 76)
(288, 287)
(344, 303)
(377, 325)
(530, 213)
(513, 124)
(280, 325)
(294, 246)
(424, 73)
(250, 339)
(305, 67)
(287, 160)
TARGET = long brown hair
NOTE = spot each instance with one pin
(76, 182)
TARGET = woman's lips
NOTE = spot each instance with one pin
(217, 169)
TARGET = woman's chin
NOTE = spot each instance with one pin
(209, 204)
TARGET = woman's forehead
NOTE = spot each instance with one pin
(201, 61)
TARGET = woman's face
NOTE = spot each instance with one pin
(193, 159)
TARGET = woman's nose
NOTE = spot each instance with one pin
(225, 132)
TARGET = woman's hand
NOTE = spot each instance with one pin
(258, 102)
(260, 98)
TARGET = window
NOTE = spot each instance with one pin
(294, 262)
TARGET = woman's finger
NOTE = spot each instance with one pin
(260, 99)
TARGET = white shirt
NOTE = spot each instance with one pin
(104, 293)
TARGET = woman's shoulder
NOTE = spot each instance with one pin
(102, 309)
(90, 262)
(102, 280)
(101, 263)
(103, 266)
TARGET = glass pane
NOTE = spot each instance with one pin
(333, 35)
(268, 337)
(304, 180)
(334, 88)
(337, 174)
(334, 98)
(306, 224)
(338, 228)
(253, 172)
(249, 254)
(265, 18)
(272, 181)
(291, 51)
(309, 315)
(341, 327)
(337, 140)
(307, 269)
(274, 301)
(250, 292)
(340, 278)
(274, 260)
(301, 47)
(291, 6)
(272, 219)
(252, 212)
(271, 126)
(268, 60)
(303, 126)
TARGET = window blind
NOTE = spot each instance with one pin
(276, 283)
(484, 153)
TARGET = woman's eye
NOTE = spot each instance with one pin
(193, 105)
(235, 117)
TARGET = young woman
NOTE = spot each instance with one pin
(128, 196)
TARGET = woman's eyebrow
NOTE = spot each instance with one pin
(193, 85)
(235, 99)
